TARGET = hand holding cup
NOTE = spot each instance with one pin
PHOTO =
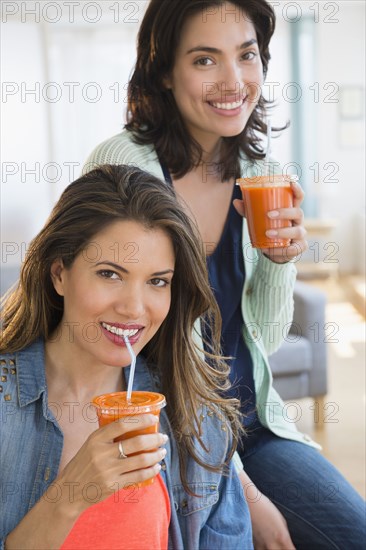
(98, 462)
(285, 239)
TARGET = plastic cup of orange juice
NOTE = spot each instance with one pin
(262, 194)
(112, 406)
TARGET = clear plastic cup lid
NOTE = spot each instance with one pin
(109, 403)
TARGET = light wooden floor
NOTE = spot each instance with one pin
(343, 435)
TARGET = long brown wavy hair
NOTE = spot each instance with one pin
(152, 113)
(34, 309)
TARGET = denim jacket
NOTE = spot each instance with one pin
(31, 447)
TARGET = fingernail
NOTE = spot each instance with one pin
(165, 438)
(271, 233)
(157, 467)
(273, 214)
(162, 452)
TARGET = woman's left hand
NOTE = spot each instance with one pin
(296, 232)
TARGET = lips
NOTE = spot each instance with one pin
(116, 332)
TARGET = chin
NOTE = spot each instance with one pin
(118, 361)
(233, 133)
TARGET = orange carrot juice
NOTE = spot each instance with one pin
(112, 406)
(261, 195)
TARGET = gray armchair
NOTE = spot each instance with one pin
(299, 367)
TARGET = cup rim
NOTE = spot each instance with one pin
(272, 180)
(157, 403)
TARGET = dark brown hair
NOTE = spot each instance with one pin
(34, 309)
(152, 114)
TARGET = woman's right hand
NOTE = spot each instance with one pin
(270, 531)
(98, 468)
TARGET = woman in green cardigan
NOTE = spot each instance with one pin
(195, 118)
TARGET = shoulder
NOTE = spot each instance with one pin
(216, 435)
(23, 374)
(117, 149)
(8, 378)
(122, 149)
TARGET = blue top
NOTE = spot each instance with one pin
(31, 448)
(229, 253)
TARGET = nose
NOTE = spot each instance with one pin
(231, 77)
(130, 303)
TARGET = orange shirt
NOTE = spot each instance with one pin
(131, 519)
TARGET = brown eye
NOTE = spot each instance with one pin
(203, 61)
(249, 56)
(159, 282)
(107, 274)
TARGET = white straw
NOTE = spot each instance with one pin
(269, 136)
(132, 369)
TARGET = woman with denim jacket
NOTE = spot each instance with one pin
(117, 257)
(195, 115)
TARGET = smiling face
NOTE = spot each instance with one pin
(119, 285)
(217, 75)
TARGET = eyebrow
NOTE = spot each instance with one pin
(124, 270)
(216, 50)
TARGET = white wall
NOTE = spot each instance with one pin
(342, 60)
(96, 57)
(25, 202)
(78, 69)
(338, 143)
